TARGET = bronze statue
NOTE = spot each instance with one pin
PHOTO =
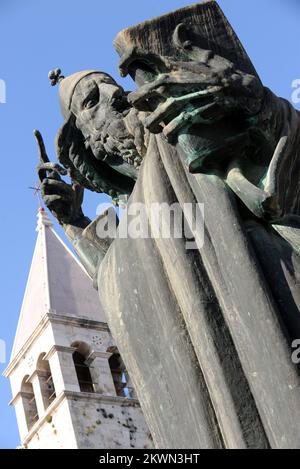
(206, 334)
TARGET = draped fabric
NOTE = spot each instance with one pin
(283, 176)
(206, 333)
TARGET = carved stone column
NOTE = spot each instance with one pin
(38, 381)
(101, 374)
(63, 369)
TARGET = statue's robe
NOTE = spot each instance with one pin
(206, 334)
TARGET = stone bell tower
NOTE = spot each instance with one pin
(70, 387)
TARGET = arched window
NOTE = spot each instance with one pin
(29, 403)
(46, 381)
(82, 369)
(119, 373)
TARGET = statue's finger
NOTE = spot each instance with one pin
(51, 199)
(205, 115)
(169, 110)
(139, 99)
(78, 188)
(55, 183)
(41, 147)
(79, 193)
(54, 168)
(163, 88)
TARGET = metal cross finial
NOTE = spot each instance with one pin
(37, 190)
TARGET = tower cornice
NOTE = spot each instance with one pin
(52, 318)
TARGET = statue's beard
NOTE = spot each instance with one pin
(110, 154)
(114, 144)
(98, 176)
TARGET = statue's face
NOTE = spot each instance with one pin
(101, 107)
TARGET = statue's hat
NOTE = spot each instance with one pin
(68, 84)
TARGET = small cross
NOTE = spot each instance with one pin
(37, 190)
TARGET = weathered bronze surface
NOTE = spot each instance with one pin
(205, 334)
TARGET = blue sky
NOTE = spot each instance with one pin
(36, 36)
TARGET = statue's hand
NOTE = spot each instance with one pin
(62, 199)
(197, 93)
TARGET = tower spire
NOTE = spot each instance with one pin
(65, 367)
(57, 282)
(43, 219)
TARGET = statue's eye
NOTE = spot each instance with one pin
(92, 99)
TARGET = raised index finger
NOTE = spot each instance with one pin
(41, 147)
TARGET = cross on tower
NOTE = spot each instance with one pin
(37, 190)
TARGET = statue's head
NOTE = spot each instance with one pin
(97, 142)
